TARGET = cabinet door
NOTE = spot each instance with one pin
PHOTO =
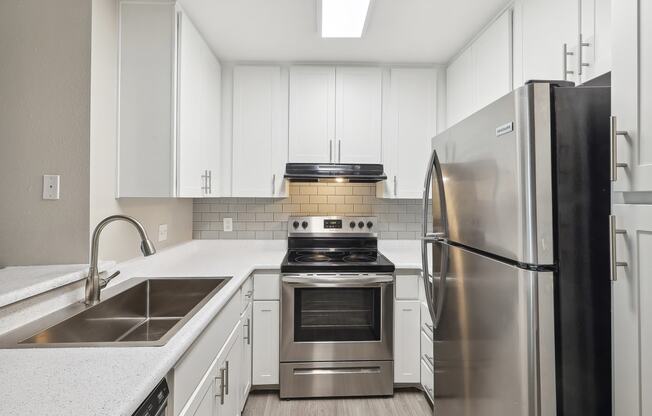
(266, 340)
(256, 131)
(460, 88)
(230, 360)
(191, 90)
(312, 114)
(145, 100)
(211, 122)
(411, 123)
(358, 115)
(632, 312)
(631, 92)
(493, 61)
(407, 350)
(245, 366)
(595, 27)
(546, 26)
(206, 406)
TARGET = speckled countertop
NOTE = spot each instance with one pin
(114, 381)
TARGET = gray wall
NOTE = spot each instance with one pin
(44, 128)
(266, 218)
(58, 116)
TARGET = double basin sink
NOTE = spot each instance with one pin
(139, 312)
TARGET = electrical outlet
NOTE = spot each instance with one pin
(162, 232)
(228, 224)
(51, 186)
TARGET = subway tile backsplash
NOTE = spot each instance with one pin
(266, 218)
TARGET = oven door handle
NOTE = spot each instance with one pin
(336, 280)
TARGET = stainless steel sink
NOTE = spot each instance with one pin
(140, 312)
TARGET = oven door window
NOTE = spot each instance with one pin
(337, 314)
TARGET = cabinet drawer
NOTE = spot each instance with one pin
(246, 293)
(426, 349)
(266, 286)
(407, 287)
(427, 379)
(265, 361)
(426, 322)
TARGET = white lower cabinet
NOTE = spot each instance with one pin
(406, 341)
(265, 360)
(632, 311)
(217, 392)
(245, 367)
(427, 379)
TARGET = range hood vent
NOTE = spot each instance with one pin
(334, 172)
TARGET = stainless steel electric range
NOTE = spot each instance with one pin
(336, 310)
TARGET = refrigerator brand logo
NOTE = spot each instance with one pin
(504, 129)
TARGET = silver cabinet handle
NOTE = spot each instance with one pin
(248, 336)
(220, 378)
(330, 150)
(226, 380)
(339, 151)
(249, 293)
(615, 264)
(429, 326)
(565, 55)
(614, 148)
(210, 182)
(580, 58)
(273, 184)
(395, 185)
(429, 390)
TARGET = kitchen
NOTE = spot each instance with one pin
(341, 207)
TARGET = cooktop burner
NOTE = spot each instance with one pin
(333, 245)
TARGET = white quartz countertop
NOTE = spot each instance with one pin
(113, 381)
(18, 283)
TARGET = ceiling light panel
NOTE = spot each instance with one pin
(343, 18)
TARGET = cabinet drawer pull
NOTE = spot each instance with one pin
(220, 378)
(565, 55)
(580, 58)
(226, 380)
(614, 148)
(615, 264)
(429, 326)
(248, 336)
(430, 360)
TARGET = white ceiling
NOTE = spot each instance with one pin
(399, 31)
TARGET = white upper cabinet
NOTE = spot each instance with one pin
(358, 115)
(312, 114)
(562, 39)
(169, 104)
(631, 93)
(259, 144)
(335, 114)
(482, 73)
(408, 125)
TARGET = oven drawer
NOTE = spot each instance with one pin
(336, 379)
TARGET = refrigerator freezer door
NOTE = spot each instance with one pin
(496, 168)
(490, 360)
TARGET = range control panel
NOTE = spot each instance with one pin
(332, 225)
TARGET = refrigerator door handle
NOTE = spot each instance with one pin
(427, 238)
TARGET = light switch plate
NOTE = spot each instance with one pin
(162, 232)
(51, 185)
(228, 224)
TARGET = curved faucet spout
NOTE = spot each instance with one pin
(93, 278)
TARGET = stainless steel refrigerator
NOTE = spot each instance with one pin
(516, 256)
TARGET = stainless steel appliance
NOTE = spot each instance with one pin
(335, 172)
(516, 256)
(156, 403)
(337, 295)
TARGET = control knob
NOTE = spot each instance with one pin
(304, 224)
(370, 224)
(352, 224)
(295, 224)
(361, 224)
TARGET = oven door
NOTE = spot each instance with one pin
(336, 317)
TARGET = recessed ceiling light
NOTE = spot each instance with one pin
(343, 18)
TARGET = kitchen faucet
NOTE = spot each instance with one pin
(93, 282)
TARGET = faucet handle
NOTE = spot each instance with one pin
(105, 280)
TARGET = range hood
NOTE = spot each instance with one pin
(334, 172)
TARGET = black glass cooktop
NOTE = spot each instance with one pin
(341, 260)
